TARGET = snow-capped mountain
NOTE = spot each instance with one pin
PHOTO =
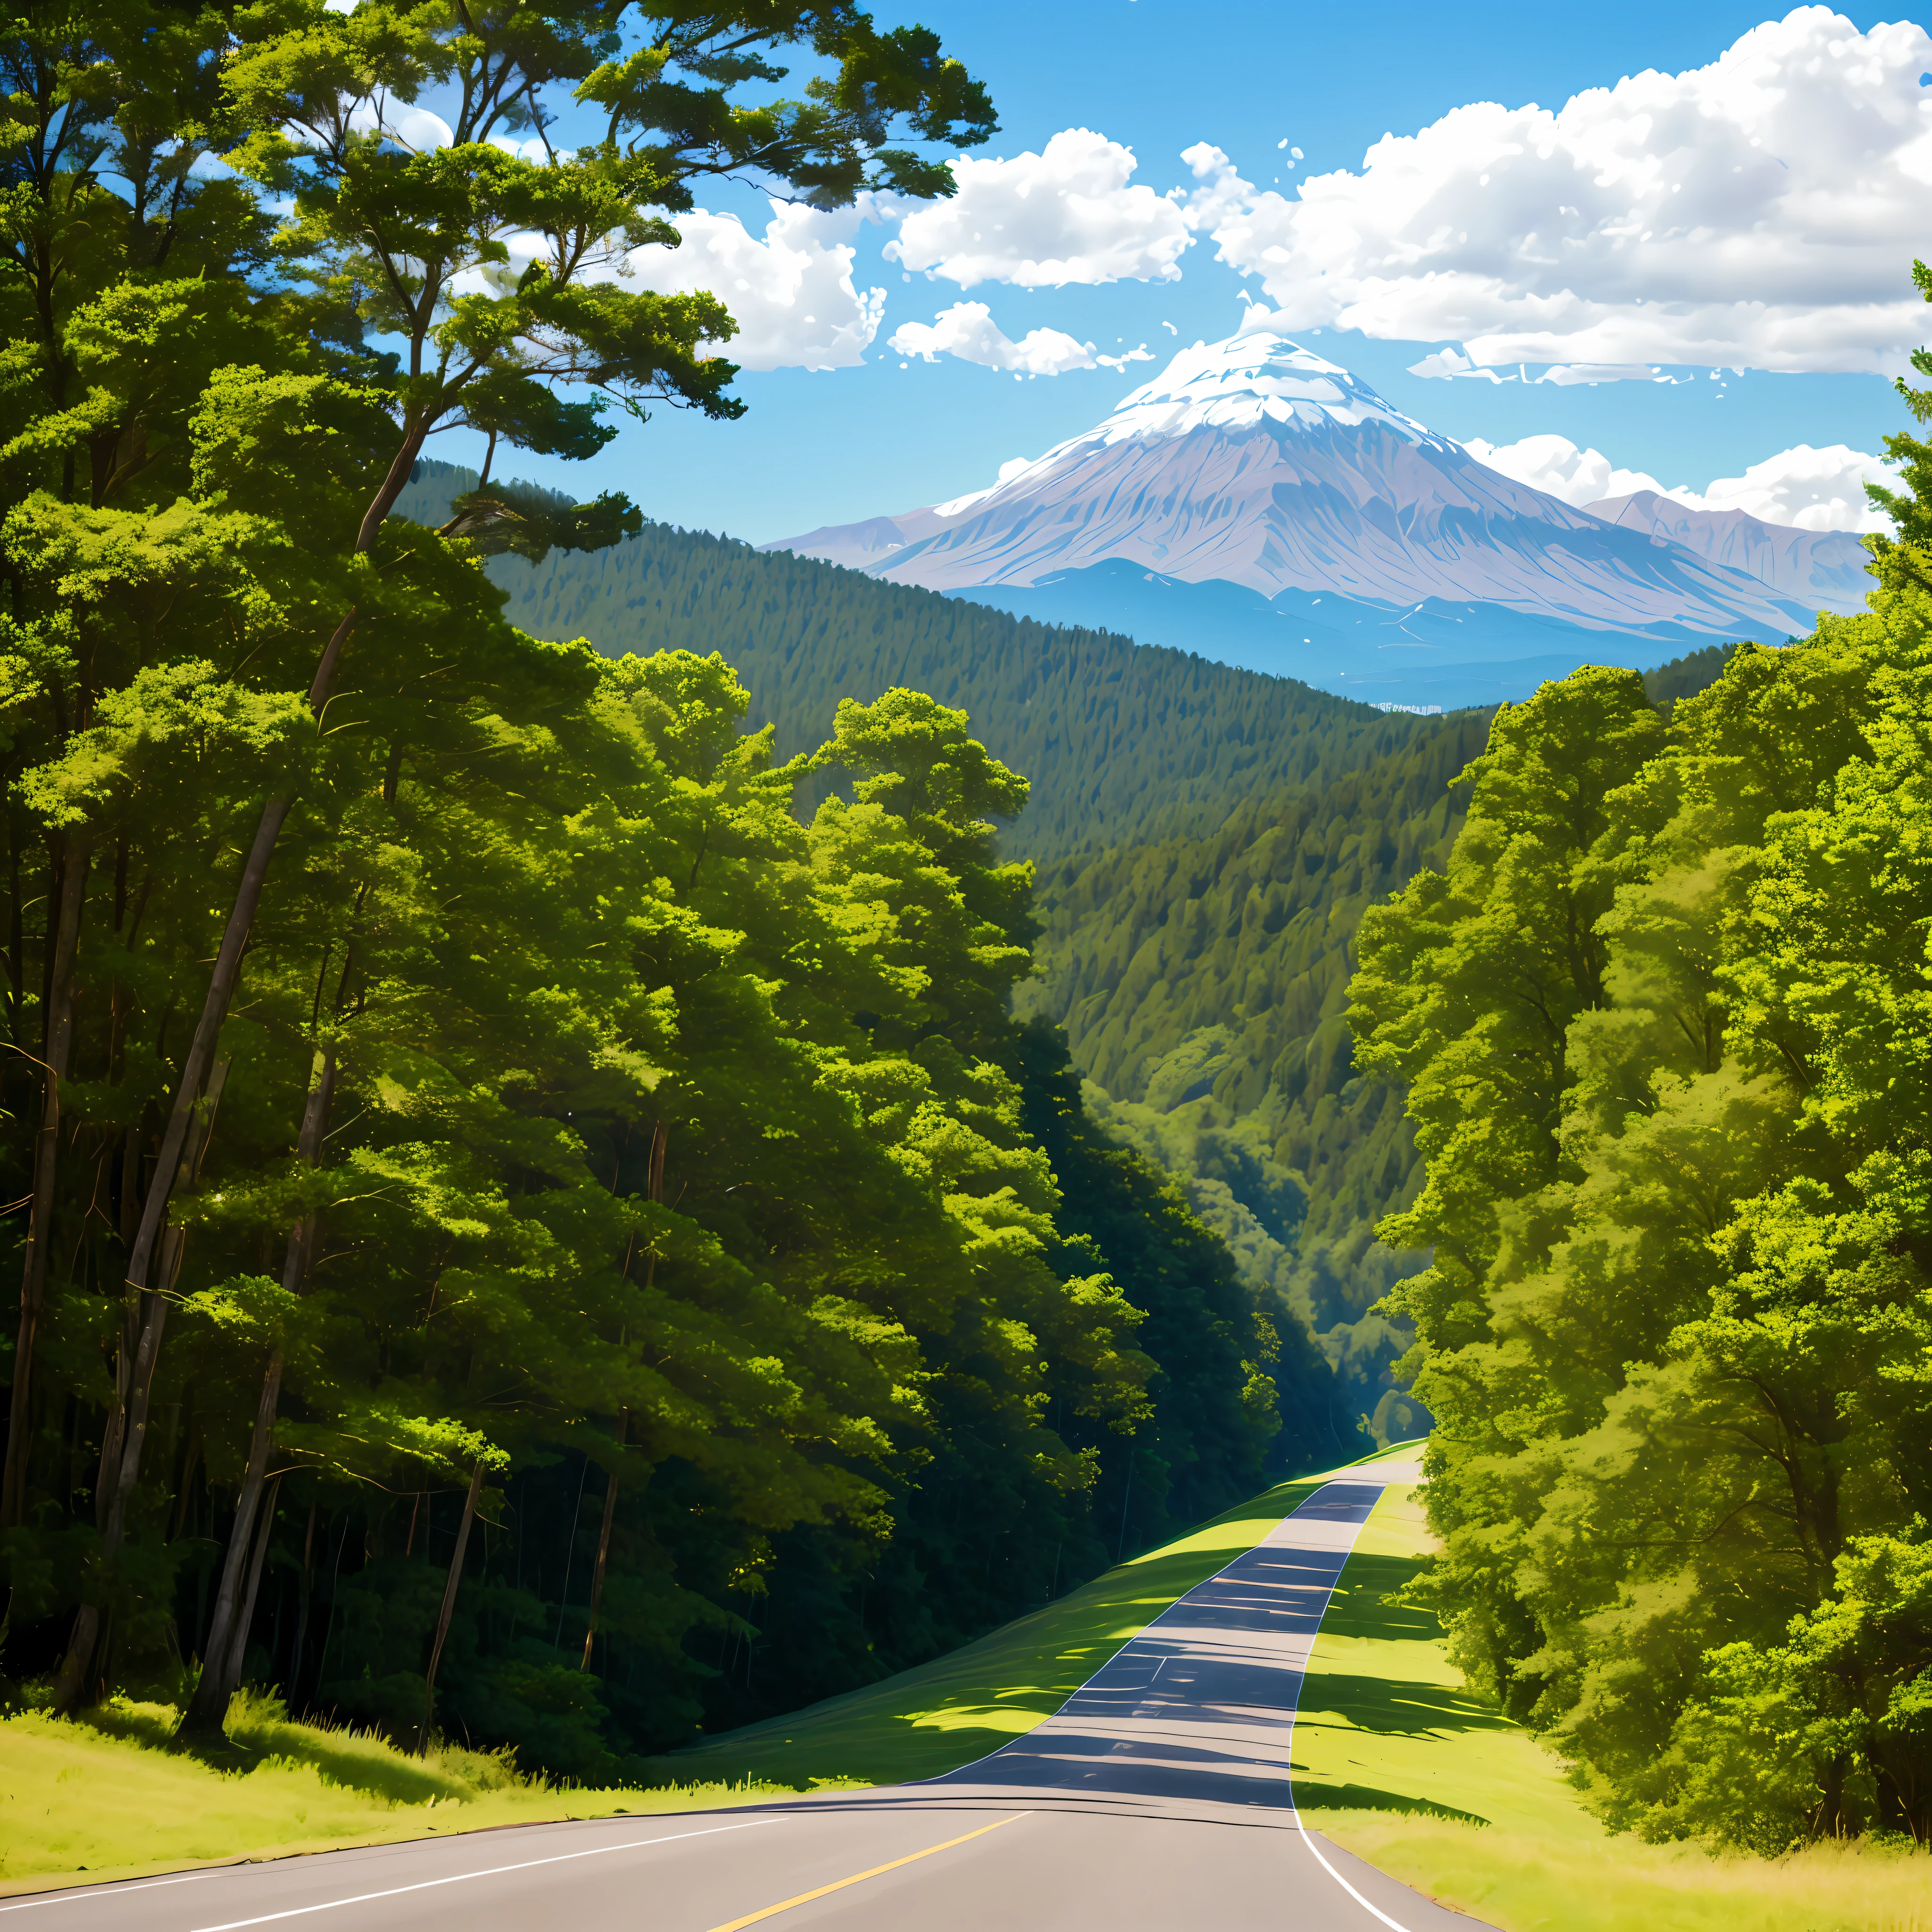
(1821, 569)
(1253, 462)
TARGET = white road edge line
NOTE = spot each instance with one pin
(495, 1871)
(1393, 1926)
(100, 1891)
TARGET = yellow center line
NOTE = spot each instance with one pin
(839, 1885)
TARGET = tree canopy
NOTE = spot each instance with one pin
(1663, 1024)
(532, 1208)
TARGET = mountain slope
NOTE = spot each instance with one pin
(1254, 462)
(1208, 838)
(1825, 568)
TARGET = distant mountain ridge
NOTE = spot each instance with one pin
(1256, 464)
(1824, 569)
(1121, 743)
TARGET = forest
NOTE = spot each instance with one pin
(1208, 839)
(535, 1214)
(1664, 1023)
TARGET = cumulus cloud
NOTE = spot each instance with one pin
(1556, 466)
(968, 330)
(1066, 215)
(1756, 212)
(1815, 489)
(1810, 489)
(791, 293)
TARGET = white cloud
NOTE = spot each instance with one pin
(415, 128)
(1066, 215)
(1811, 489)
(1556, 466)
(790, 294)
(1758, 211)
(1815, 489)
(1447, 363)
(968, 330)
(531, 150)
(1569, 373)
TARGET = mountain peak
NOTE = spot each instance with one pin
(1256, 375)
(1254, 462)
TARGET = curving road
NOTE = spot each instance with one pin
(1158, 1796)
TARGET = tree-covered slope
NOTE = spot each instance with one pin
(1121, 741)
(1201, 983)
(1211, 838)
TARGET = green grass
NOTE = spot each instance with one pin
(924, 1722)
(1396, 1760)
(104, 1797)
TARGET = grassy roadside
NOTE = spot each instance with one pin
(963, 1706)
(1397, 1761)
(103, 1799)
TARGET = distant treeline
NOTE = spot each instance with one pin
(1122, 742)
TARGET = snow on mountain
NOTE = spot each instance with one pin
(1824, 570)
(1254, 462)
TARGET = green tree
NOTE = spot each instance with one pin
(1676, 1329)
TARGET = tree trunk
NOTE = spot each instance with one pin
(208, 1706)
(292, 1678)
(236, 1651)
(46, 1160)
(443, 1616)
(603, 1545)
(174, 1140)
(129, 1426)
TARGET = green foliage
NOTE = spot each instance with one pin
(1198, 966)
(1201, 982)
(611, 1257)
(1664, 1021)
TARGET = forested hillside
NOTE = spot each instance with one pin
(1121, 741)
(1197, 965)
(519, 1228)
(1663, 1022)
(1201, 983)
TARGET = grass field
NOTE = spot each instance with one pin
(1395, 1760)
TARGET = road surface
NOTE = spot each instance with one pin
(1157, 1799)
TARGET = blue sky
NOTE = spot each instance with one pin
(1158, 77)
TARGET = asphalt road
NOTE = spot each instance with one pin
(1158, 1797)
